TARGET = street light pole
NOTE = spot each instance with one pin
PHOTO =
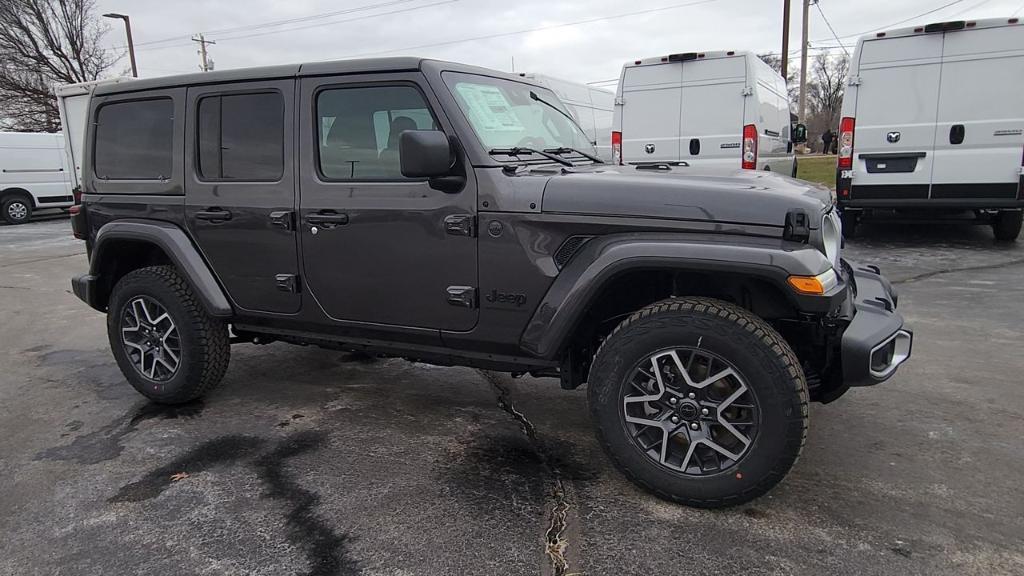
(803, 65)
(131, 45)
(785, 39)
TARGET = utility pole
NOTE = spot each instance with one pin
(785, 39)
(205, 66)
(128, 32)
(803, 65)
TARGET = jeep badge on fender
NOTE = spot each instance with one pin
(506, 298)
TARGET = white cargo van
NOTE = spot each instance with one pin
(933, 119)
(713, 110)
(34, 174)
(591, 107)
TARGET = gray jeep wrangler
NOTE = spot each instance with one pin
(459, 216)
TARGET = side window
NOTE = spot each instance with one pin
(359, 129)
(241, 137)
(134, 140)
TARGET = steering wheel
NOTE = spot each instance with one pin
(534, 142)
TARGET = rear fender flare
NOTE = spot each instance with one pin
(176, 245)
(603, 259)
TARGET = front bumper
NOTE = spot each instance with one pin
(876, 341)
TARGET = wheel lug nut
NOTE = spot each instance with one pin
(675, 419)
(691, 395)
(694, 426)
(672, 400)
(705, 411)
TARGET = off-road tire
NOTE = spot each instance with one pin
(12, 200)
(757, 351)
(205, 348)
(1006, 225)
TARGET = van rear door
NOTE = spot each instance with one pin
(897, 99)
(980, 131)
(711, 116)
(650, 112)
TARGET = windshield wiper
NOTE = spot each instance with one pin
(533, 96)
(567, 150)
(517, 150)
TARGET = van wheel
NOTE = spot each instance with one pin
(16, 209)
(850, 219)
(166, 344)
(1007, 224)
(699, 402)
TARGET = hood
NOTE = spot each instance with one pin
(743, 197)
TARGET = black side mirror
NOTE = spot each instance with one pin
(799, 134)
(425, 153)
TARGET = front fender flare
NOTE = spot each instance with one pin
(602, 259)
(178, 247)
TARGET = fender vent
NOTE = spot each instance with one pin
(568, 248)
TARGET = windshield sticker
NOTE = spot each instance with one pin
(489, 108)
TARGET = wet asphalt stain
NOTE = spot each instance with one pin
(105, 443)
(325, 549)
(286, 423)
(210, 454)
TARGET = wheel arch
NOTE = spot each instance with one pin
(616, 275)
(16, 191)
(126, 245)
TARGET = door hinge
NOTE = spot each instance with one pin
(462, 296)
(747, 91)
(854, 81)
(287, 282)
(460, 225)
(620, 101)
(283, 218)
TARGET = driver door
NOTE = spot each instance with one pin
(378, 247)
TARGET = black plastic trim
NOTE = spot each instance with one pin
(875, 320)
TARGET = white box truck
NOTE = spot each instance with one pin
(719, 111)
(933, 123)
(591, 107)
(34, 175)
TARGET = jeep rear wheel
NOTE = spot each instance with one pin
(699, 401)
(166, 344)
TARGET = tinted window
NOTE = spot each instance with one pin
(134, 140)
(359, 129)
(241, 137)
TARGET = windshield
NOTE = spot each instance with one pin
(504, 116)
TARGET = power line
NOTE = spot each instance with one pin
(832, 30)
(528, 30)
(969, 8)
(894, 24)
(1017, 11)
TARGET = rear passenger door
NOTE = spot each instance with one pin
(240, 190)
(711, 114)
(980, 130)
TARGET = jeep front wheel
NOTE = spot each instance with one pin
(699, 401)
(166, 344)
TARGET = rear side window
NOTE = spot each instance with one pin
(134, 140)
(241, 137)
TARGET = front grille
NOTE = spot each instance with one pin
(568, 248)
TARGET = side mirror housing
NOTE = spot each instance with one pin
(799, 134)
(425, 154)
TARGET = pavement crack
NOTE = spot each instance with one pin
(556, 541)
(933, 273)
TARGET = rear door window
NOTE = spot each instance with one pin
(134, 140)
(241, 137)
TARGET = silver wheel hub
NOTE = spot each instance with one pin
(150, 338)
(17, 210)
(690, 410)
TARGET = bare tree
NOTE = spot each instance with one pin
(44, 43)
(827, 87)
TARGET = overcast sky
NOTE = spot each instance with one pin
(585, 41)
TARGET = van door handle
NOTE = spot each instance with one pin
(694, 146)
(956, 134)
(326, 218)
(213, 215)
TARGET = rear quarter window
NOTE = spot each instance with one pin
(134, 140)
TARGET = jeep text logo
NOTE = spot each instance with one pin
(506, 298)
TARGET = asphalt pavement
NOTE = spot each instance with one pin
(307, 461)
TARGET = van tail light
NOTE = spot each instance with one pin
(750, 147)
(846, 126)
(617, 148)
(76, 193)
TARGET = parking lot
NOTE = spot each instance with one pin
(317, 462)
